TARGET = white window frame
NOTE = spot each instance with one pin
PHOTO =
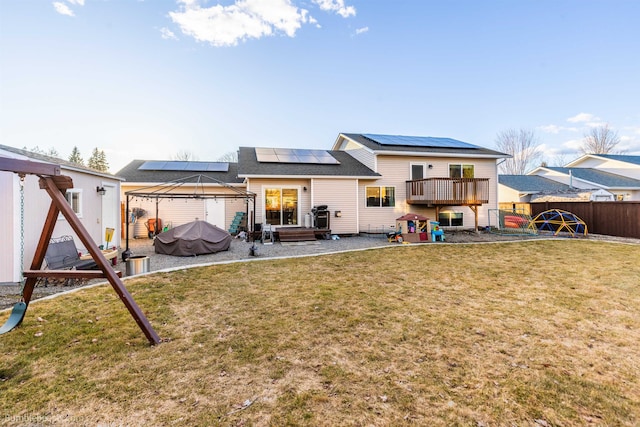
(462, 165)
(70, 195)
(424, 169)
(281, 187)
(380, 187)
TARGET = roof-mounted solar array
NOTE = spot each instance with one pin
(184, 166)
(295, 155)
(418, 141)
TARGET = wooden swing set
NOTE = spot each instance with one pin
(56, 186)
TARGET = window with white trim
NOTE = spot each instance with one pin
(74, 198)
(380, 197)
(417, 171)
(461, 171)
(281, 206)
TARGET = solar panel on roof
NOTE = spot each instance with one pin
(295, 155)
(418, 141)
(176, 166)
(184, 166)
(218, 167)
(151, 165)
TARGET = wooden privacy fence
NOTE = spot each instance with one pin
(620, 219)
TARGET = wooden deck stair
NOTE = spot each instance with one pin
(296, 234)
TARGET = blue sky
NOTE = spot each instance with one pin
(146, 79)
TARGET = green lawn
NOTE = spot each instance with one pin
(527, 333)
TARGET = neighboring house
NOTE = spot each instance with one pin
(622, 187)
(617, 174)
(179, 192)
(618, 164)
(517, 191)
(367, 181)
(520, 188)
(97, 211)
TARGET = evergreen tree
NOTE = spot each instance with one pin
(75, 157)
(104, 164)
(98, 160)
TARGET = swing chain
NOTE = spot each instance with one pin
(22, 280)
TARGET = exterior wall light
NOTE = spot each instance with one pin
(100, 190)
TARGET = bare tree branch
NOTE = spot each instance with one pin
(600, 140)
(231, 156)
(184, 155)
(524, 148)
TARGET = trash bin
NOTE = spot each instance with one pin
(137, 265)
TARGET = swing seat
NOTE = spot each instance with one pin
(17, 314)
(63, 254)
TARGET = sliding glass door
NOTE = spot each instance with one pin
(281, 206)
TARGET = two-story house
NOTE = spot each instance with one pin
(367, 181)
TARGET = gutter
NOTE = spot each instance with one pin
(428, 154)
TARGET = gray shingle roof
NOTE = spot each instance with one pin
(599, 177)
(248, 165)
(531, 183)
(55, 160)
(621, 157)
(375, 146)
(131, 173)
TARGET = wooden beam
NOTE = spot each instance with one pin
(62, 182)
(57, 199)
(41, 250)
(474, 208)
(68, 274)
(28, 167)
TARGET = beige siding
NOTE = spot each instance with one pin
(258, 185)
(339, 195)
(396, 170)
(176, 212)
(233, 206)
(508, 195)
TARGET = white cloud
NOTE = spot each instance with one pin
(336, 6)
(78, 2)
(167, 34)
(550, 129)
(63, 9)
(555, 129)
(362, 30)
(227, 25)
(313, 21)
(587, 119)
(582, 118)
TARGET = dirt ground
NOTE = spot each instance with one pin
(10, 294)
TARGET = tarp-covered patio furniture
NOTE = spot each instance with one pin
(193, 238)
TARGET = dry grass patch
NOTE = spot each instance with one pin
(500, 334)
